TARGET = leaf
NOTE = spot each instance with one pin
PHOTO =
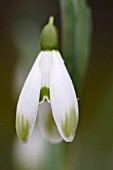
(76, 36)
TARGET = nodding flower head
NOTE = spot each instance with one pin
(48, 95)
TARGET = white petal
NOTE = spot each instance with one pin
(47, 124)
(28, 102)
(63, 99)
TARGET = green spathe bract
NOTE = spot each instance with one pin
(22, 127)
(44, 92)
(49, 36)
(70, 123)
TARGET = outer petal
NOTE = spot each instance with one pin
(63, 99)
(28, 102)
(47, 124)
(33, 155)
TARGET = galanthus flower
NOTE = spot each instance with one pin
(48, 95)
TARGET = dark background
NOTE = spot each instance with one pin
(19, 19)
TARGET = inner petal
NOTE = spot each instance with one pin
(46, 63)
(47, 124)
(44, 94)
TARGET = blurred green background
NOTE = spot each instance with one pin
(20, 24)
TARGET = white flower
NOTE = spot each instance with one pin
(48, 91)
(48, 95)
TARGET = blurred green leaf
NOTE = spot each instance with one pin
(76, 23)
(94, 147)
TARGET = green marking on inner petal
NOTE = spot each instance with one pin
(50, 123)
(22, 127)
(44, 92)
(70, 123)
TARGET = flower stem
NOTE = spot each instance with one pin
(51, 20)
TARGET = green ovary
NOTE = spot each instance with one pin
(49, 36)
(22, 127)
(70, 123)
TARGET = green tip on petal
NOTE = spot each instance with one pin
(70, 123)
(22, 128)
(44, 92)
(49, 36)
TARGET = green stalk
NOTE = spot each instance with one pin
(76, 35)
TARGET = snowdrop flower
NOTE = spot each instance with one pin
(48, 95)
